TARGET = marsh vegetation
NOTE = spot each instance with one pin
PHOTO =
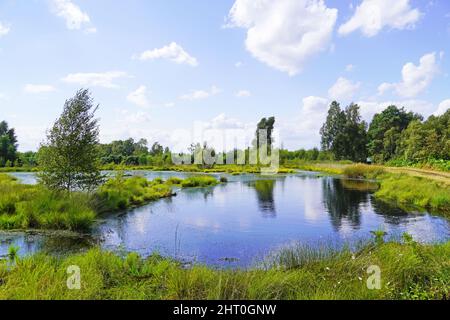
(410, 271)
(251, 215)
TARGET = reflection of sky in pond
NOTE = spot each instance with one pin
(246, 219)
(250, 216)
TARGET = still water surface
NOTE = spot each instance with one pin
(237, 223)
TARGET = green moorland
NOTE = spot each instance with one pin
(404, 189)
(410, 189)
(408, 271)
(36, 207)
(231, 169)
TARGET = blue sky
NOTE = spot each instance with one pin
(157, 67)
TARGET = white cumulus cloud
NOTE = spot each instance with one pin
(243, 94)
(371, 16)
(415, 79)
(443, 107)
(134, 118)
(304, 129)
(369, 108)
(284, 33)
(349, 67)
(201, 94)
(343, 89)
(172, 52)
(139, 97)
(38, 88)
(4, 30)
(224, 132)
(104, 80)
(75, 18)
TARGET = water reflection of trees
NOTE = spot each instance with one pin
(65, 244)
(345, 199)
(343, 205)
(195, 193)
(391, 213)
(265, 196)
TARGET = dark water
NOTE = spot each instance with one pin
(237, 223)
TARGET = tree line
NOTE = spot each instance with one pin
(8, 145)
(394, 135)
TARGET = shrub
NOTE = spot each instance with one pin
(199, 181)
(410, 271)
(223, 179)
(363, 171)
(174, 181)
(25, 207)
(120, 193)
(417, 192)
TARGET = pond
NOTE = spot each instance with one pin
(238, 223)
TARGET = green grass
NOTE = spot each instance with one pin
(35, 207)
(199, 182)
(363, 171)
(226, 168)
(19, 169)
(408, 271)
(409, 192)
(32, 207)
(431, 164)
(325, 168)
(120, 193)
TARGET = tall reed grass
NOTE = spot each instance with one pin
(408, 191)
(408, 271)
(35, 207)
(32, 207)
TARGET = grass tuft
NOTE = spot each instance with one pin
(363, 171)
(120, 193)
(408, 271)
(35, 207)
(199, 182)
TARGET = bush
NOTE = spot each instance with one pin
(433, 164)
(409, 271)
(363, 171)
(174, 181)
(25, 206)
(199, 181)
(120, 193)
(409, 191)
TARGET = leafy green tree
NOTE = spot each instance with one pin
(385, 130)
(141, 147)
(412, 146)
(8, 144)
(438, 142)
(268, 125)
(156, 149)
(344, 133)
(355, 135)
(421, 142)
(332, 131)
(70, 157)
(28, 159)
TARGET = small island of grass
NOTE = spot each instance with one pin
(36, 207)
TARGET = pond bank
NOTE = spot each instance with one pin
(413, 189)
(235, 224)
(408, 271)
(35, 207)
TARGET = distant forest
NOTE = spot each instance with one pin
(394, 136)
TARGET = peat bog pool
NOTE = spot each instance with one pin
(238, 223)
